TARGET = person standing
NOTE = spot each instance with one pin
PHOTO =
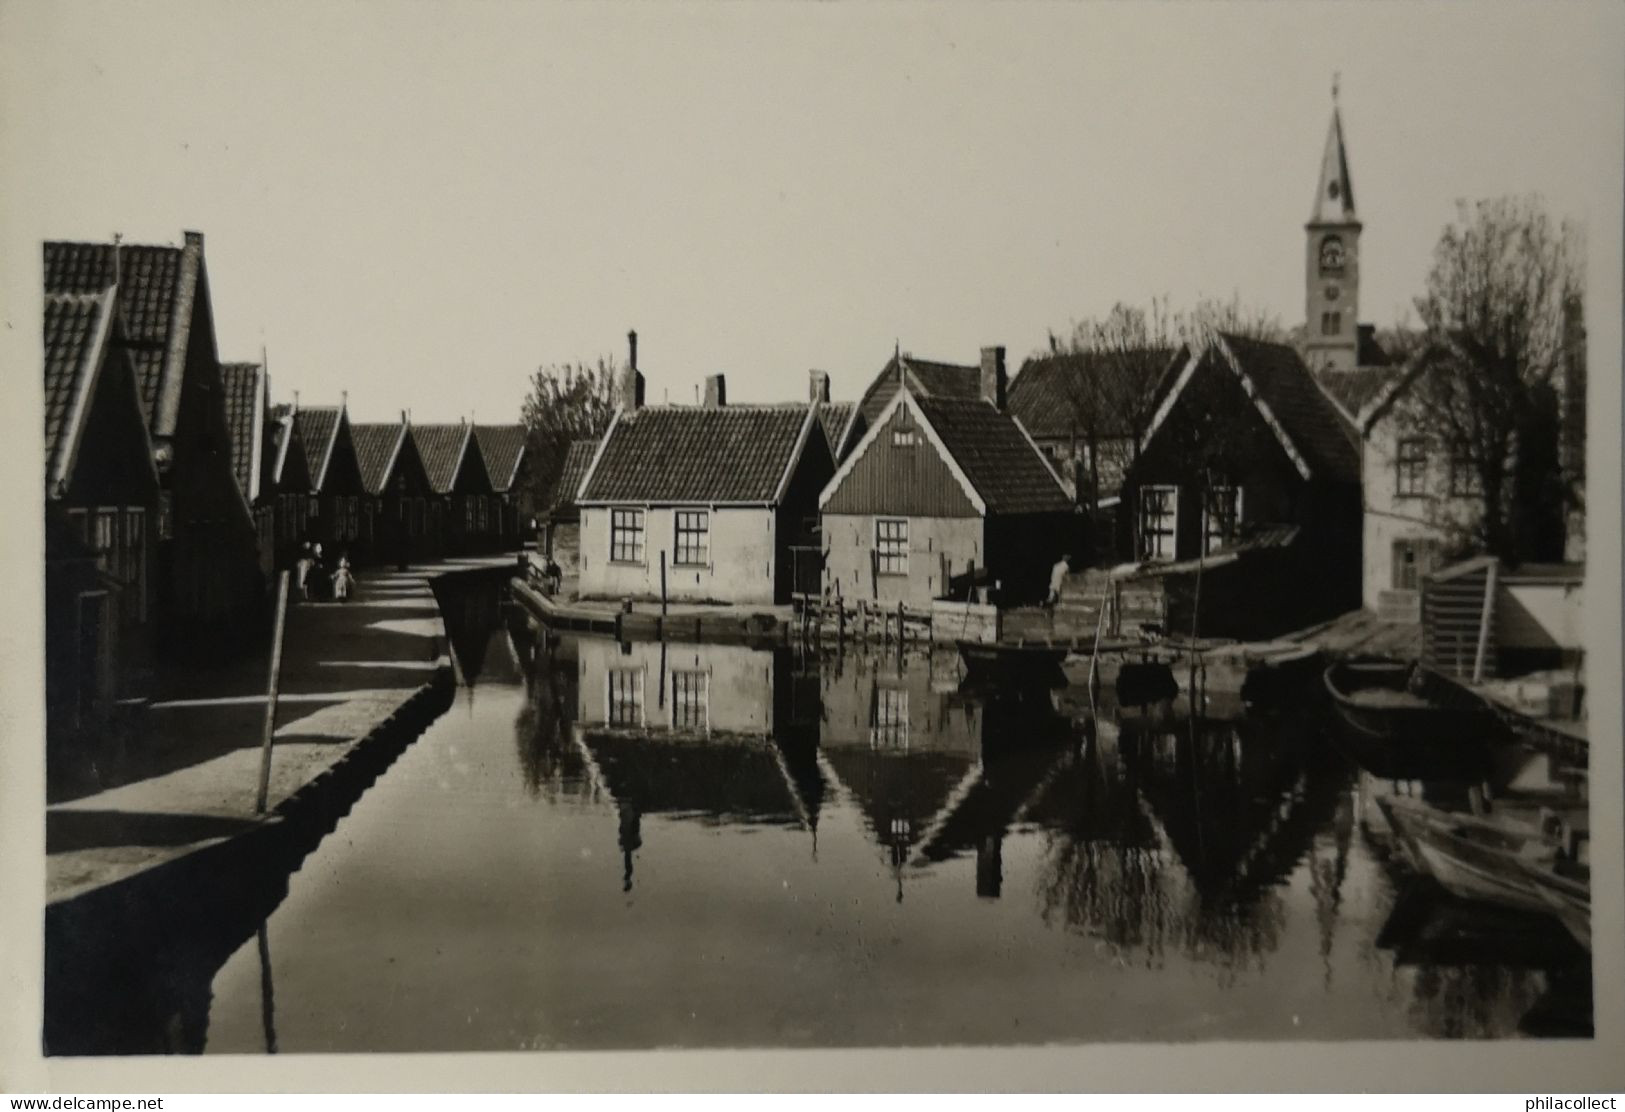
(1057, 578)
(343, 579)
(301, 571)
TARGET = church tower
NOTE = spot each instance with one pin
(1332, 263)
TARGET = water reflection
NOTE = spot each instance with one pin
(744, 845)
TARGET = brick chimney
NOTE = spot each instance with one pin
(994, 380)
(716, 391)
(629, 383)
(818, 387)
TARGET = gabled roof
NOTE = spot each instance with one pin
(925, 378)
(285, 448)
(998, 457)
(739, 454)
(1046, 394)
(576, 461)
(377, 446)
(318, 430)
(1311, 430)
(157, 287)
(503, 447)
(442, 448)
(244, 387)
(1354, 391)
(79, 330)
(996, 463)
(838, 419)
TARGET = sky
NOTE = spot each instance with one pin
(418, 204)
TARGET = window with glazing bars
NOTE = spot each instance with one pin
(626, 536)
(690, 700)
(1411, 468)
(693, 537)
(1464, 478)
(891, 543)
(625, 694)
(889, 730)
(1159, 521)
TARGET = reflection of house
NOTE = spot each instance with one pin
(101, 495)
(657, 685)
(207, 574)
(700, 502)
(563, 526)
(1249, 474)
(939, 487)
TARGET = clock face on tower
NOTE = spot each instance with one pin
(1331, 254)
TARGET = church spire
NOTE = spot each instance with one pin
(1334, 198)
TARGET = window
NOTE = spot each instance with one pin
(888, 727)
(1464, 478)
(902, 430)
(625, 696)
(1413, 559)
(1411, 468)
(1159, 521)
(693, 538)
(1331, 255)
(468, 513)
(891, 545)
(626, 536)
(104, 540)
(1331, 324)
(135, 560)
(1221, 517)
(690, 700)
(166, 516)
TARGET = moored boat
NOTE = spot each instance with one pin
(1482, 858)
(1023, 665)
(1402, 722)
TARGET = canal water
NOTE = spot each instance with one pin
(637, 846)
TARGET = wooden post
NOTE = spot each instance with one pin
(899, 623)
(1486, 613)
(271, 692)
(662, 582)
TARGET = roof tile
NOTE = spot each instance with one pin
(242, 383)
(317, 428)
(998, 459)
(735, 453)
(503, 448)
(441, 448)
(72, 323)
(376, 448)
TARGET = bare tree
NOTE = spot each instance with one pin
(1493, 315)
(568, 401)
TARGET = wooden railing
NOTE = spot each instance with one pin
(1458, 619)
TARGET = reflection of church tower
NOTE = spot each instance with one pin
(1332, 263)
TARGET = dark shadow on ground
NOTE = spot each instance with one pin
(66, 831)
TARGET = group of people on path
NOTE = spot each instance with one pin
(315, 578)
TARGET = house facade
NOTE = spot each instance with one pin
(209, 585)
(503, 448)
(702, 503)
(1249, 475)
(101, 501)
(941, 490)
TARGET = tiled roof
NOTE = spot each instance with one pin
(376, 447)
(502, 447)
(1356, 389)
(441, 448)
(1051, 390)
(318, 429)
(75, 325)
(1319, 433)
(1001, 463)
(576, 462)
(151, 283)
(735, 453)
(926, 378)
(836, 417)
(242, 384)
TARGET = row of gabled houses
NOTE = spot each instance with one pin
(175, 488)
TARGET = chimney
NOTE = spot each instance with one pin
(194, 239)
(716, 391)
(632, 347)
(994, 380)
(629, 390)
(818, 387)
(403, 416)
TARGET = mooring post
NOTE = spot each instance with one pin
(662, 582)
(271, 691)
(899, 622)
